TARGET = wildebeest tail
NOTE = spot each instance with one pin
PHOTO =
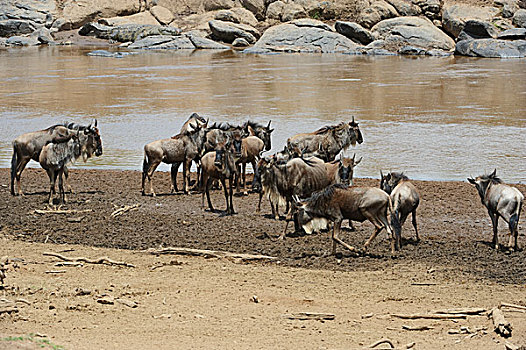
(145, 166)
(514, 219)
(14, 163)
(395, 221)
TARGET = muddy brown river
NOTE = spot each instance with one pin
(434, 118)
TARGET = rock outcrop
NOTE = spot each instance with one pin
(127, 32)
(228, 31)
(302, 38)
(354, 31)
(454, 17)
(412, 31)
(495, 48)
(24, 17)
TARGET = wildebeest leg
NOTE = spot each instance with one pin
(61, 193)
(351, 226)
(413, 220)
(19, 169)
(244, 175)
(151, 170)
(66, 183)
(336, 238)
(186, 174)
(255, 169)
(207, 190)
(52, 178)
(495, 223)
(238, 185)
(259, 202)
(225, 190)
(231, 192)
(173, 173)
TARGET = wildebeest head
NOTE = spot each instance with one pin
(237, 140)
(346, 169)
(306, 218)
(391, 180)
(222, 151)
(260, 131)
(93, 144)
(355, 133)
(482, 183)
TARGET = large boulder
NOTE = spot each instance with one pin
(519, 18)
(378, 11)
(138, 18)
(228, 32)
(23, 17)
(479, 29)
(185, 41)
(412, 31)
(292, 11)
(76, 13)
(275, 9)
(513, 34)
(430, 8)
(181, 8)
(289, 37)
(204, 43)
(211, 5)
(454, 17)
(354, 31)
(162, 14)
(18, 40)
(195, 22)
(405, 8)
(257, 7)
(237, 15)
(491, 48)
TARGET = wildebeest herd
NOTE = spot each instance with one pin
(310, 176)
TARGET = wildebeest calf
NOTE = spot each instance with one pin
(404, 196)
(501, 201)
(338, 202)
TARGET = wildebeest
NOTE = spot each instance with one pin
(29, 145)
(219, 164)
(328, 141)
(338, 202)
(404, 196)
(60, 151)
(261, 131)
(251, 147)
(342, 170)
(182, 148)
(192, 121)
(501, 201)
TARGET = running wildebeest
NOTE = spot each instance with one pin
(260, 131)
(404, 196)
(61, 151)
(29, 145)
(328, 141)
(338, 202)
(219, 164)
(182, 148)
(501, 201)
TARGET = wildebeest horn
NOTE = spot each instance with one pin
(494, 173)
(358, 161)
(268, 126)
(95, 123)
(352, 121)
(381, 174)
(296, 199)
(261, 154)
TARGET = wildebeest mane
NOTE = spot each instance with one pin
(493, 178)
(222, 126)
(53, 127)
(254, 125)
(397, 177)
(319, 199)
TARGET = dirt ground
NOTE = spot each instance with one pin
(193, 302)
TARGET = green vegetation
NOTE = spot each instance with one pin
(41, 342)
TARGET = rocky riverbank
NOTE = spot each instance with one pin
(379, 27)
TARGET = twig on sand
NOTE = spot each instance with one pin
(209, 253)
(124, 209)
(380, 342)
(430, 316)
(101, 260)
(309, 316)
(513, 306)
(502, 326)
(463, 311)
(62, 211)
(417, 328)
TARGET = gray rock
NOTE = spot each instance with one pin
(228, 32)
(204, 43)
(479, 29)
(43, 35)
(17, 40)
(240, 42)
(454, 17)
(291, 38)
(412, 31)
(411, 50)
(509, 9)
(405, 8)
(127, 32)
(275, 9)
(105, 53)
(430, 8)
(212, 5)
(519, 18)
(513, 34)
(3, 41)
(378, 11)
(354, 31)
(491, 48)
(292, 11)
(439, 53)
(257, 7)
(12, 27)
(307, 22)
(379, 52)
(163, 42)
(162, 14)
(226, 16)
(245, 16)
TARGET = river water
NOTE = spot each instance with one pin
(433, 118)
